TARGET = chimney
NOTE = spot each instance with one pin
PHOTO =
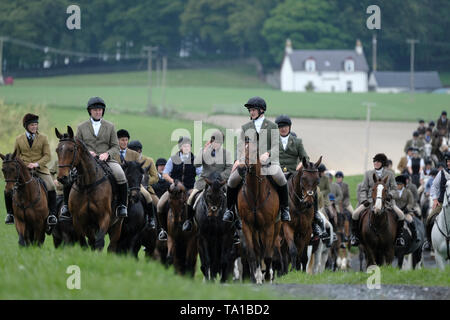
(358, 47)
(288, 49)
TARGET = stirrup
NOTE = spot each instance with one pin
(187, 226)
(121, 211)
(354, 241)
(52, 220)
(285, 216)
(162, 236)
(9, 219)
(65, 214)
(400, 242)
(236, 238)
(228, 216)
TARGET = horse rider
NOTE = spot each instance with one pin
(181, 167)
(291, 154)
(442, 122)
(404, 199)
(415, 142)
(437, 194)
(100, 138)
(33, 149)
(421, 128)
(263, 131)
(346, 205)
(162, 185)
(324, 184)
(214, 158)
(336, 190)
(379, 164)
(153, 177)
(415, 167)
(414, 190)
(128, 155)
(403, 163)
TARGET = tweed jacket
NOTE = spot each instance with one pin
(368, 183)
(220, 163)
(105, 141)
(131, 155)
(294, 153)
(405, 201)
(152, 172)
(39, 151)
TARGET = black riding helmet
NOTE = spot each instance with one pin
(161, 162)
(401, 179)
(135, 145)
(283, 120)
(96, 102)
(256, 102)
(321, 168)
(339, 174)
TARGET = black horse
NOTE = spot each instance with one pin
(133, 225)
(215, 237)
(411, 245)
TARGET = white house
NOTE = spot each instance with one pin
(324, 70)
(400, 81)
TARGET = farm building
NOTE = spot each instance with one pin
(395, 81)
(324, 70)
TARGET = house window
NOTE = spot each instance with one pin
(310, 65)
(349, 86)
(349, 65)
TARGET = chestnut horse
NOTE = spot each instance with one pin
(302, 187)
(378, 226)
(258, 207)
(29, 200)
(91, 196)
(181, 246)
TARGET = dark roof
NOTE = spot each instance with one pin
(422, 80)
(327, 60)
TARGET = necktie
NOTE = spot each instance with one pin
(30, 141)
(122, 156)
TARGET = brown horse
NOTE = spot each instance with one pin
(29, 200)
(91, 196)
(302, 187)
(378, 227)
(181, 246)
(258, 207)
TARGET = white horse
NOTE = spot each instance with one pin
(440, 234)
(318, 259)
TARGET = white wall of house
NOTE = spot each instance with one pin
(287, 76)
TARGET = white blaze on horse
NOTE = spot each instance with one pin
(440, 234)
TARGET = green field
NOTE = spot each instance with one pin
(218, 91)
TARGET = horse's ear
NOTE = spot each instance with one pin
(318, 162)
(58, 134)
(304, 163)
(385, 179)
(14, 154)
(208, 181)
(70, 132)
(375, 178)
(2, 156)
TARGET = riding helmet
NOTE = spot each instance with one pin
(161, 162)
(339, 174)
(135, 145)
(29, 118)
(283, 120)
(217, 136)
(256, 102)
(184, 140)
(401, 179)
(415, 134)
(96, 102)
(446, 156)
(122, 133)
(381, 157)
(322, 168)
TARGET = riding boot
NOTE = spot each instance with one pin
(51, 200)
(284, 202)
(412, 227)
(65, 214)
(150, 215)
(354, 238)
(121, 209)
(232, 193)
(187, 225)
(9, 210)
(399, 241)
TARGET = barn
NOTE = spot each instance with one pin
(398, 81)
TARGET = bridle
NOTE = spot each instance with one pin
(17, 178)
(214, 209)
(301, 198)
(75, 146)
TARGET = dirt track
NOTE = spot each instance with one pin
(341, 142)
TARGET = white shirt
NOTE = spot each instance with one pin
(96, 125)
(400, 191)
(284, 141)
(379, 172)
(258, 123)
(30, 135)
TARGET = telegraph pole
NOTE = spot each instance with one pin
(412, 42)
(150, 108)
(368, 105)
(163, 82)
(1, 60)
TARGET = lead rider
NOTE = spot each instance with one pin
(265, 131)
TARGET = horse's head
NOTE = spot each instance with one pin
(11, 170)
(134, 172)
(309, 179)
(379, 193)
(214, 194)
(177, 199)
(68, 154)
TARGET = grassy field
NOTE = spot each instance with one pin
(218, 91)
